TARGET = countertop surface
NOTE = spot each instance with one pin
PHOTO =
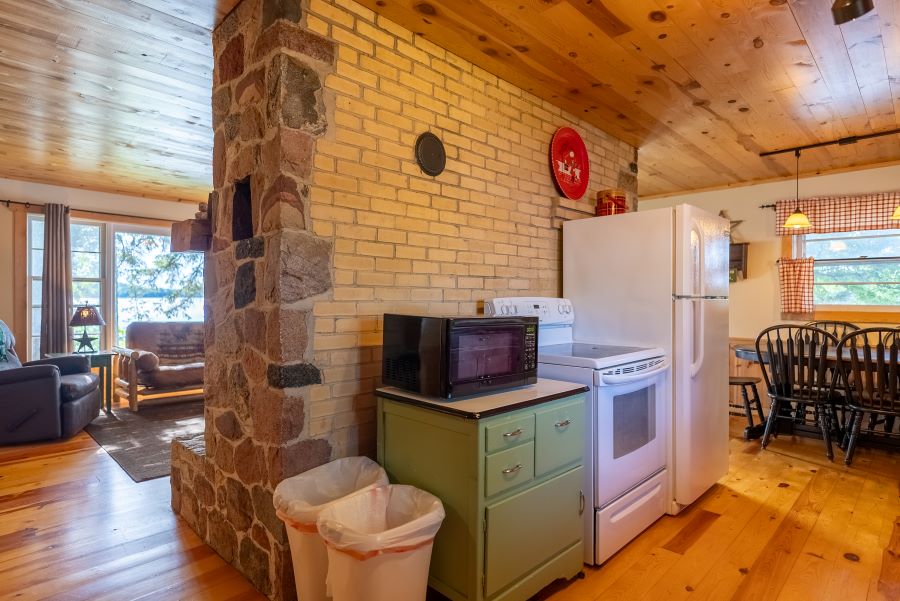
(486, 405)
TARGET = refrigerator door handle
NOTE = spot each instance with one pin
(697, 336)
(700, 266)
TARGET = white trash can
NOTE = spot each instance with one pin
(379, 543)
(299, 501)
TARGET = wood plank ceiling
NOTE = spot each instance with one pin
(110, 95)
(700, 86)
(114, 94)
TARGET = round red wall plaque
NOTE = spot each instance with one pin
(569, 162)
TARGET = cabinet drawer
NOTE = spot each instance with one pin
(509, 433)
(508, 468)
(527, 529)
(560, 437)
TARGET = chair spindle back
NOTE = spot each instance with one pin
(838, 328)
(870, 369)
(797, 369)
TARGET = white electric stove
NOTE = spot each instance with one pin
(627, 421)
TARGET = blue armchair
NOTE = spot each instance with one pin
(44, 400)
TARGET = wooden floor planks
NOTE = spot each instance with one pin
(784, 524)
(780, 526)
(74, 526)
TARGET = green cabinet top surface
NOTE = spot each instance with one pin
(494, 403)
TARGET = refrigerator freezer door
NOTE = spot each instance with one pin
(701, 252)
(617, 271)
(700, 410)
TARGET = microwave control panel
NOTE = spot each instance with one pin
(548, 310)
(530, 347)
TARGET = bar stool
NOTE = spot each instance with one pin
(751, 431)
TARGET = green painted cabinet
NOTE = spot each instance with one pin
(510, 481)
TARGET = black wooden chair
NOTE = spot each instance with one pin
(797, 371)
(838, 328)
(751, 402)
(870, 370)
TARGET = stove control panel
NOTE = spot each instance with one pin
(548, 310)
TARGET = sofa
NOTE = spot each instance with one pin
(46, 399)
(161, 362)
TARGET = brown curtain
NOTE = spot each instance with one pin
(796, 279)
(840, 213)
(56, 294)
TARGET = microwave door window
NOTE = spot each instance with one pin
(478, 354)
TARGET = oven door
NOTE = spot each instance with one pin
(632, 430)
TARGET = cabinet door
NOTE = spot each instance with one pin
(559, 437)
(528, 529)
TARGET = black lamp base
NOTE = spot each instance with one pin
(84, 343)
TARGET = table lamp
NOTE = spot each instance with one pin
(86, 315)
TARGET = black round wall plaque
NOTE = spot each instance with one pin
(430, 154)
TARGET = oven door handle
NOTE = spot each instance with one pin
(626, 379)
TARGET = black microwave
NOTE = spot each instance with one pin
(458, 356)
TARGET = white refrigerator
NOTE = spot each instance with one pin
(660, 278)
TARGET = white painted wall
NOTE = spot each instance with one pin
(77, 199)
(754, 302)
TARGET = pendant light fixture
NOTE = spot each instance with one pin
(844, 11)
(798, 219)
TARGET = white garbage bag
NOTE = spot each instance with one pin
(379, 543)
(298, 502)
(302, 497)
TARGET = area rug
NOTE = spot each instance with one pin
(141, 442)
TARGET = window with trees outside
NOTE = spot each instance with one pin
(125, 270)
(859, 268)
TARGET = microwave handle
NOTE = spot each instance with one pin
(612, 379)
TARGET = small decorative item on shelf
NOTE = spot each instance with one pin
(612, 202)
(85, 316)
(569, 163)
(193, 235)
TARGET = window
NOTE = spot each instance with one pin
(150, 283)
(859, 268)
(87, 275)
(35, 271)
(153, 284)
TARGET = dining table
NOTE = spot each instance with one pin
(799, 427)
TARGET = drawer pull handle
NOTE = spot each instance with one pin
(514, 469)
(563, 423)
(516, 432)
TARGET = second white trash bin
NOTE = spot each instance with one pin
(379, 543)
(299, 501)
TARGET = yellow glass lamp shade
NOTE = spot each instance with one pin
(797, 220)
(896, 214)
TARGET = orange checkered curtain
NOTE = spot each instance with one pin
(796, 279)
(840, 213)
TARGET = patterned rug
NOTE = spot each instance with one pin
(141, 442)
